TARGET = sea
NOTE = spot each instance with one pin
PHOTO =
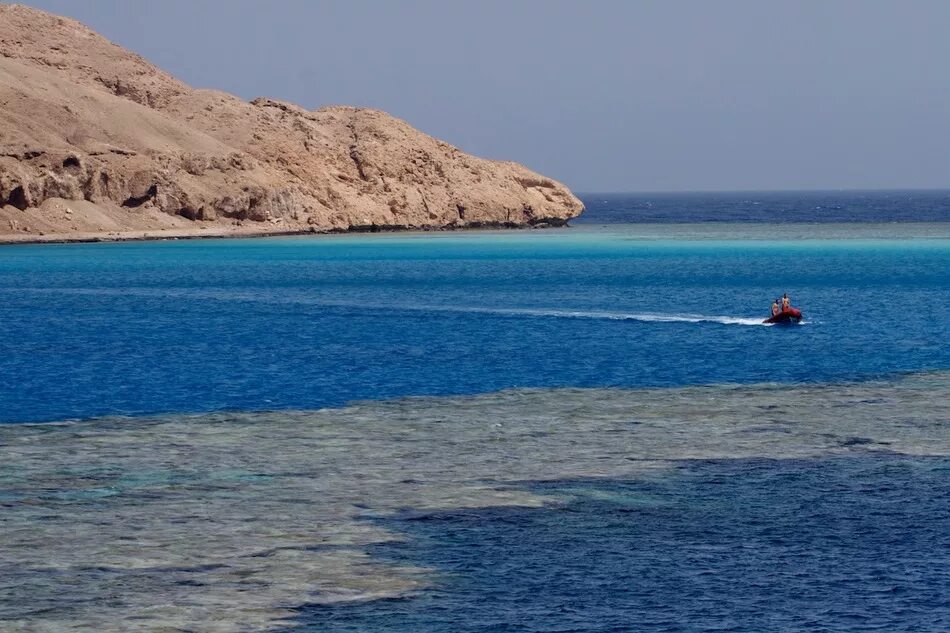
(582, 429)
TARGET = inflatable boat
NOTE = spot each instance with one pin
(791, 315)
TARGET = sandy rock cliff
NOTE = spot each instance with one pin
(95, 141)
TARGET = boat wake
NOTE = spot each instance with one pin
(552, 313)
(646, 317)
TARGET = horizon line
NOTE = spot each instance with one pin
(642, 192)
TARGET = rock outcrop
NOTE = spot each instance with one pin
(94, 140)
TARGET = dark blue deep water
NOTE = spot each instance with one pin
(773, 207)
(851, 544)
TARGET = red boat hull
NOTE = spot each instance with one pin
(792, 315)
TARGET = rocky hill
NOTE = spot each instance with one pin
(95, 142)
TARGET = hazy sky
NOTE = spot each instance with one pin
(609, 95)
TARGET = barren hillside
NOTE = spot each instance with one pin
(95, 142)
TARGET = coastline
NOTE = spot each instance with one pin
(645, 231)
(212, 232)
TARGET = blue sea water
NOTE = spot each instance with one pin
(185, 326)
(645, 291)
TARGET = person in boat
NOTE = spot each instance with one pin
(786, 302)
(775, 308)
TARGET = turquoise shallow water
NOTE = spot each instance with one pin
(525, 446)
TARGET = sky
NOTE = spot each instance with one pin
(604, 95)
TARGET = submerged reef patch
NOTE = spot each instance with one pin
(228, 521)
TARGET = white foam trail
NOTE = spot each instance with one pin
(230, 295)
(646, 317)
